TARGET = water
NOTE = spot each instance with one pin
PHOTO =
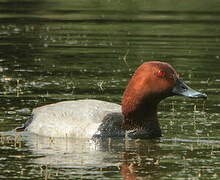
(60, 50)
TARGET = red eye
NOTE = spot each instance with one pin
(160, 73)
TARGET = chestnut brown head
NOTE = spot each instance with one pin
(152, 82)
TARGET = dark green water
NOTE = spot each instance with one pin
(60, 50)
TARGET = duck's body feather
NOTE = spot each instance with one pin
(80, 118)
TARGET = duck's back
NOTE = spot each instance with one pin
(79, 118)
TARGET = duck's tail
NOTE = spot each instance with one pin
(25, 125)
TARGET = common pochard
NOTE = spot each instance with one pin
(136, 118)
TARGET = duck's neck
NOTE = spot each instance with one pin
(141, 119)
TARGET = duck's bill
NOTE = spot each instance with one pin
(183, 90)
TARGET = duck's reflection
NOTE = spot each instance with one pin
(67, 152)
(127, 158)
(140, 159)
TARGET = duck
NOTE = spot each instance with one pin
(135, 118)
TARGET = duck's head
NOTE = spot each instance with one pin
(152, 82)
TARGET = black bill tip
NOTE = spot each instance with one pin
(198, 95)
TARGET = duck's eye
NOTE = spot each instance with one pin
(160, 73)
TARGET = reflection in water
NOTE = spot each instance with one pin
(84, 154)
(65, 152)
(114, 158)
